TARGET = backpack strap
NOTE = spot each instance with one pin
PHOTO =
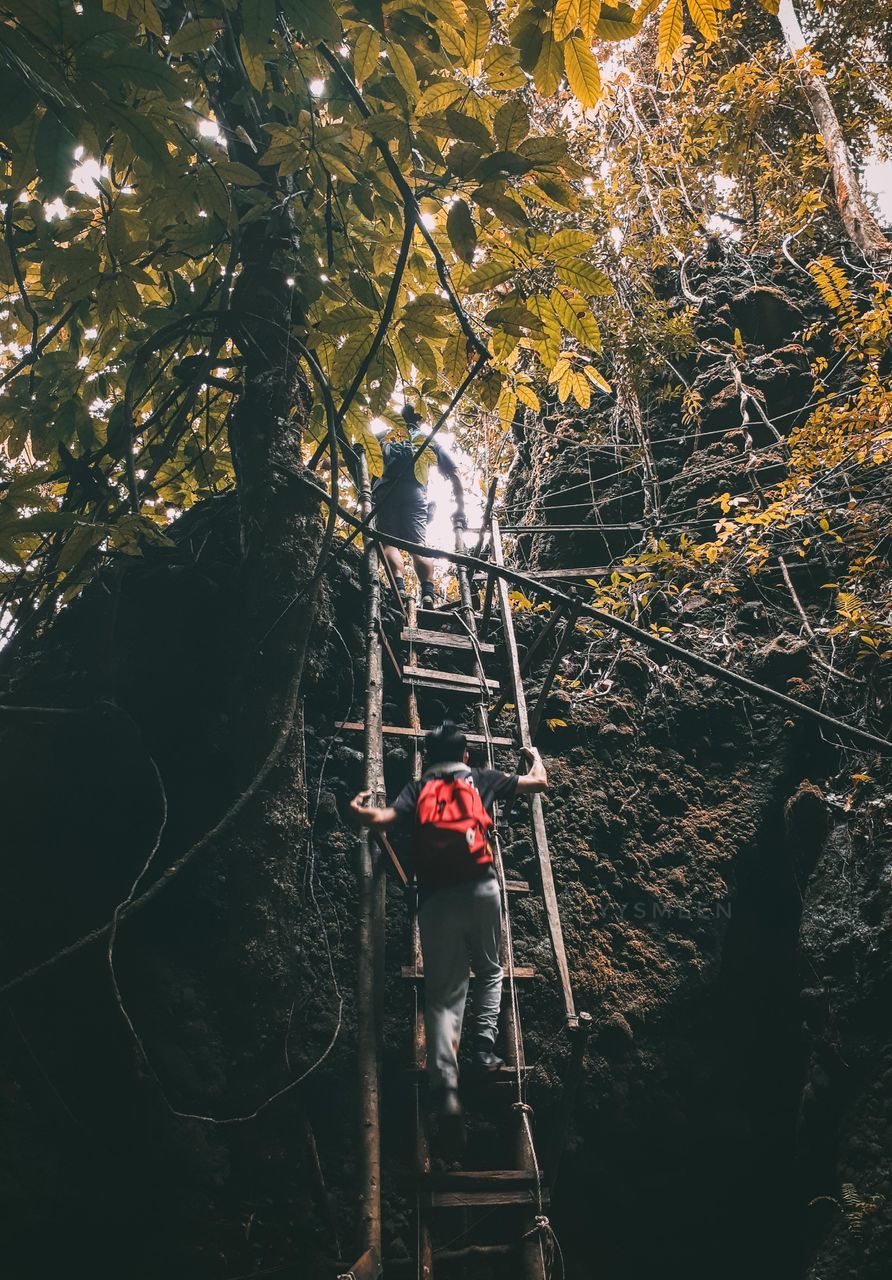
(446, 770)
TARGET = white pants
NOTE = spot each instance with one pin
(460, 928)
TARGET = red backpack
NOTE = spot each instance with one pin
(451, 830)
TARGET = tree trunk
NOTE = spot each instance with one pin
(861, 226)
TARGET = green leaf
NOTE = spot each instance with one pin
(461, 231)
(144, 70)
(317, 19)
(543, 151)
(502, 163)
(468, 129)
(476, 35)
(258, 20)
(240, 175)
(502, 68)
(589, 280)
(455, 359)
(438, 96)
(54, 155)
(511, 124)
(577, 320)
(366, 53)
(549, 67)
(569, 244)
(194, 37)
(404, 70)
(617, 22)
(494, 271)
(423, 463)
(144, 138)
(549, 344)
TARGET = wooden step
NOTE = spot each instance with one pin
(444, 640)
(476, 1179)
(481, 1199)
(473, 1080)
(517, 886)
(403, 731)
(427, 675)
(522, 972)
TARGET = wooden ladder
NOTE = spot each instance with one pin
(515, 1198)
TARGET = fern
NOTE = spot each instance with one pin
(833, 286)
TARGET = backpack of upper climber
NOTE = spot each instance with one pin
(451, 830)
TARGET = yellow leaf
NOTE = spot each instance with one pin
(577, 321)
(565, 384)
(438, 96)
(548, 344)
(476, 35)
(565, 18)
(404, 71)
(583, 74)
(589, 13)
(703, 15)
(770, 6)
(526, 395)
(670, 33)
(580, 390)
(597, 380)
(559, 371)
(254, 64)
(366, 53)
(548, 68)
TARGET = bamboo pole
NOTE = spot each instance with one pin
(371, 889)
(540, 838)
(419, 1043)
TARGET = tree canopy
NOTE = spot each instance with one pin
(381, 197)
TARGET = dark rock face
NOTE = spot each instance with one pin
(724, 884)
(724, 881)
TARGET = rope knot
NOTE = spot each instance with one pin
(540, 1225)
(523, 1107)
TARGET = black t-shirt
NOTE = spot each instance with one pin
(399, 482)
(493, 785)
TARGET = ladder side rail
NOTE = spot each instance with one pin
(540, 837)
(369, 982)
(419, 1042)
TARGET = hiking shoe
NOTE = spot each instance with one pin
(427, 597)
(484, 1060)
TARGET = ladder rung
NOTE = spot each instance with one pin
(402, 731)
(522, 972)
(427, 675)
(477, 1179)
(475, 1199)
(444, 640)
(517, 886)
(485, 1079)
(447, 613)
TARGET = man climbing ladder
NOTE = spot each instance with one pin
(460, 902)
(401, 506)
